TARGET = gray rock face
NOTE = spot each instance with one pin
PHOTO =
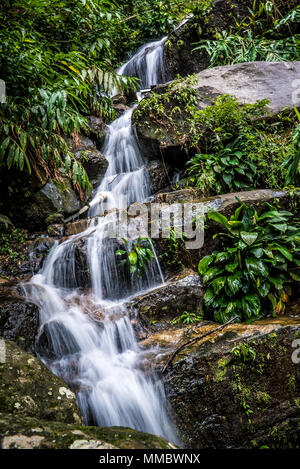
(87, 153)
(247, 82)
(252, 81)
(98, 130)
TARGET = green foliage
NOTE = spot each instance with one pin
(260, 36)
(57, 62)
(187, 318)
(138, 254)
(292, 161)
(146, 19)
(243, 353)
(254, 273)
(229, 49)
(242, 151)
(10, 239)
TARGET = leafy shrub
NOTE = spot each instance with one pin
(260, 36)
(292, 162)
(254, 273)
(242, 150)
(138, 254)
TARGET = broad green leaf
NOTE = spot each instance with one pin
(235, 282)
(218, 217)
(204, 263)
(209, 296)
(251, 305)
(249, 237)
(211, 273)
(133, 257)
(256, 266)
(218, 283)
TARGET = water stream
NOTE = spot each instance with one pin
(86, 336)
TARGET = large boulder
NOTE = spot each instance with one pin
(29, 389)
(179, 54)
(88, 154)
(18, 432)
(240, 388)
(97, 130)
(50, 204)
(181, 293)
(160, 174)
(247, 82)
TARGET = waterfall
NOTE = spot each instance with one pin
(86, 337)
(147, 64)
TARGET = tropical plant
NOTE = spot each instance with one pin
(242, 152)
(260, 36)
(56, 58)
(254, 273)
(187, 318)
(138, 255)
(292, 161)
(225, 171)
(230, 48)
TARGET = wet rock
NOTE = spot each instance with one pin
(249, 399)
(98, 130)
(18, 432)
(38, 251)
(56, 230)
(71, 270)
(248, 82)
(179, 56)
(120, 108)
(160, 174)
(29, 389)
(181, 293)
(19, 319)
(76, 227)
(52, 200)
(89, 155)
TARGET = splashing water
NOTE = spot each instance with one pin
(87, 336)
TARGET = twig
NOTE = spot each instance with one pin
(193, 341)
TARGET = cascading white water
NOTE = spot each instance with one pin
(87, 337)
(147, 64)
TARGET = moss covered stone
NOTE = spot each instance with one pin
(19, 432)
(223, 399)
(28, 388)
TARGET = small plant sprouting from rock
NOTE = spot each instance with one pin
(187, 318)
(138, 255)
(243, 353)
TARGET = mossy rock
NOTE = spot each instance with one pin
(246, 399)
(18, 432)
(28, 388)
